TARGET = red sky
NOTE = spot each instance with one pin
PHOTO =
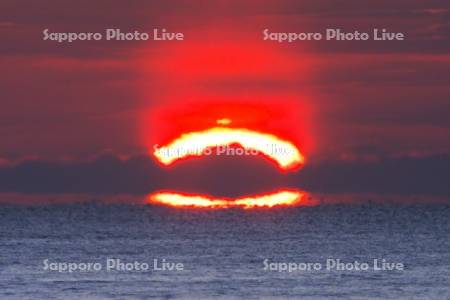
(361, 99)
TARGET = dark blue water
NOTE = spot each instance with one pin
(222, 252)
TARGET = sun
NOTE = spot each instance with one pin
(225, 136)
(283, 152)
(280, 198)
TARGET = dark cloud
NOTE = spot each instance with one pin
(406, 175)
(228, 176)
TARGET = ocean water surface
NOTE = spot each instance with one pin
(224, 253)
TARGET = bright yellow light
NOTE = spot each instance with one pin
(283, 152)
(282, 198)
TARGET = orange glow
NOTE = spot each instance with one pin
(284, 153)
(224, 121)
(202, 83)
(281, 198)
(286, 120)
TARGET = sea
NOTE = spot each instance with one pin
(123, 251)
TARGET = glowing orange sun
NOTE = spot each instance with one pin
(195, 143)
(281, 198)
(283, 152)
